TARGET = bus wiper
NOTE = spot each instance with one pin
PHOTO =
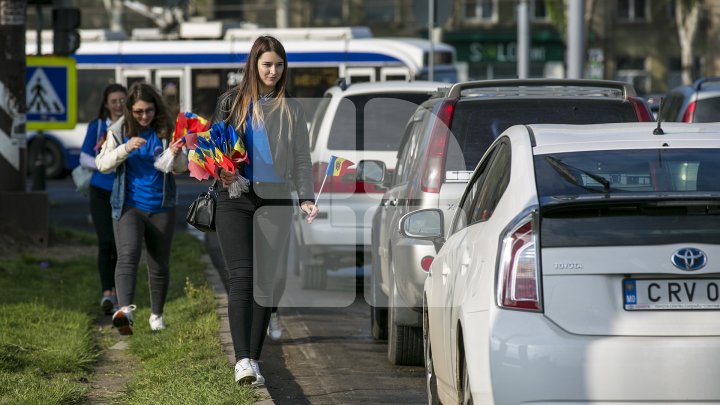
(566, 171)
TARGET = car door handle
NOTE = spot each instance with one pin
(390, 203)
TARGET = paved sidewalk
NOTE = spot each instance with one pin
(221, 299)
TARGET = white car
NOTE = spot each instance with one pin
(363, 121)
(579, 268)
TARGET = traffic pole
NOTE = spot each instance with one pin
(23, 215)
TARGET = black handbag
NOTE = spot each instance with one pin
(201, 213)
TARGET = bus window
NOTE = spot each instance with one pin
(90, 87)
(309, 84)
(360, 75)
(169, 84)
(132, 76)
(207, 86)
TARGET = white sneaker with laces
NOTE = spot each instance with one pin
(244, 373)
(122, 319)
(259, 379)
(274, 329)
(156, 322)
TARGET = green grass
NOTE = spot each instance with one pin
(48, 348)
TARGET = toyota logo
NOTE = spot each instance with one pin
(689, 259)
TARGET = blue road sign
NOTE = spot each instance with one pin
(51, 92)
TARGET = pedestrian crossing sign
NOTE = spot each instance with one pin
(51, 92)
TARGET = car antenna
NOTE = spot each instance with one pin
(659, 130)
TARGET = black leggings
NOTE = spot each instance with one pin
(101, 213)
(239, 223)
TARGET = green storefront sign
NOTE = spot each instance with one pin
(489, 47)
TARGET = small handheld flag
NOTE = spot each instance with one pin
(337, 166)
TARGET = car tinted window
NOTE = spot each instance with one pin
(407, 152)
(493, 187)
(317, 119)
(671, 107)
(707, 110)
(477, 123)
(468, 200)
(380, 121)
(629, 172)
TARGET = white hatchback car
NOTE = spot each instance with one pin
(579, 268)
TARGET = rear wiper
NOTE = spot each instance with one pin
(566, 171)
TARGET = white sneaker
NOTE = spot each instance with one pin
(122, 319)
(274, 329)
(259, 379)
(244, 372)
(156, 322)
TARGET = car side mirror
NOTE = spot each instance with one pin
(427, 224)
(371, 171)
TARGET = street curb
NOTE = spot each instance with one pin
(221, 306)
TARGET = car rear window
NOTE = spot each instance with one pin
(623, 172)
(380, 118)
(629, 197)
(476, 123)
(707, 110)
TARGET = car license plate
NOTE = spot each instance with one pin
(664, 294)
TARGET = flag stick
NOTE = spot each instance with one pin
(317, 199)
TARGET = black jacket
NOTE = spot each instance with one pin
(290, 149)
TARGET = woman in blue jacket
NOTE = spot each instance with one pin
(111, 110)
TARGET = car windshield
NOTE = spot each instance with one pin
(637, 172)
(476, 123)
(381, 121)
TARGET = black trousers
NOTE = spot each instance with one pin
(253, 236)
(101, 213)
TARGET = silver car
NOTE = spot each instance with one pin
(443, 141)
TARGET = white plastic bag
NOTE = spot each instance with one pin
(81, 176)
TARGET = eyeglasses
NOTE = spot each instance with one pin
(117, 101)
(147, 111)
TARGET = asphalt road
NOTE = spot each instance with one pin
(326, 354)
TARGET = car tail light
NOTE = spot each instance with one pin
(641, 110)
(341, 184)
(690, 112)
(519, 278)
(433, 169)
(426, 262)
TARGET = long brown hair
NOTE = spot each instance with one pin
(111, 88)
(248, 91)
(161, 122)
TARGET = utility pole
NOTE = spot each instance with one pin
(576, 39)
(281, 16)
(23, 215)
(431, 37)
(523, 33)
(12, 95)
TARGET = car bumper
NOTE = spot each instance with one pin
(409, 275)
(533, 360)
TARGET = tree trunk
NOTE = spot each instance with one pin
(687, 15)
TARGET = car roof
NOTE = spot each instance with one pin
(551, 138)
(394, 86)
(542, 88)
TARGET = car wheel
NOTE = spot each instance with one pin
(314, 277)
(465, 393)
(52, 159)
(430, 378)
(405, 347)
(378, 308)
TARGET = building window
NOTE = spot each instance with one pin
(633, 10)
(480, 10)
(380, 11)
(538, 11)
(328, 12)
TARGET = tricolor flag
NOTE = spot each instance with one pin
(337, 166)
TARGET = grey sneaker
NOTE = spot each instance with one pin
(259, 379)
(122, 319)
(244, 373)
(274, 329)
